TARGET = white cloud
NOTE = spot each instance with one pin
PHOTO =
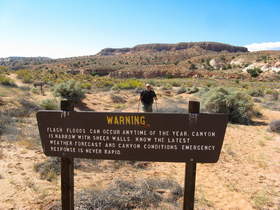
(263, 46)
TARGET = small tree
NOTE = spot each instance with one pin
(70, 90)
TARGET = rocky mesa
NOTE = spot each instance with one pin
(211, 46)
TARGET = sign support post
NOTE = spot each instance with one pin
(67, 170)
(190, 170)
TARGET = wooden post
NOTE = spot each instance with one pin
(67, 170)
(190, 170)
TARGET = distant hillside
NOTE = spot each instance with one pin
(193, 59)
(16, 61)
(211, 46)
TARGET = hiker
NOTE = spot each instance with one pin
(147, 98)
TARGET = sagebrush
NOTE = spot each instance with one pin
(237, 104)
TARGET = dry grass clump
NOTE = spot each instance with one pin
(131, 195)
(117, 164)
(142, 194)
(117, 99)
(261, 199)
(25, 109)
(49, 169)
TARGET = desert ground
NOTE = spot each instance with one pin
(245, 177)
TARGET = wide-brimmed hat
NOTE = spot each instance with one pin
(148, 85)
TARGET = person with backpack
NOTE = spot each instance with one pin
(147, 98)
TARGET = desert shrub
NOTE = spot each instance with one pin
(255, 72)
(129, 84)
(273, 93)
(117, 99)
(35, 90)
(152, 82)
(274, 126)
(48, 169)
(256, 92)
(86, 85)
(6, 81)
(25, 75)
(131, 195)
(193, 67)
(49, 104)
(27, 78)
(166, 87)
(181, 90)
(245, 86)
(192, 90)
(27, 108)
(117, 164)
(104, 83)
(202, 91)
(175, 83)
(70, 90)
(237, 104)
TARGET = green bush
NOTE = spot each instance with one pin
(70, 90)
(6, 81)
(27, 79)
(25, 75)
(237, 104)
(255, 72)
(49, 104)
(104, 83)
(86, 85)
(129, 84)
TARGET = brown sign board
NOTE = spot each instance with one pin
(163, 137)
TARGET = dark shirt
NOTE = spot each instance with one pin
(147, 97)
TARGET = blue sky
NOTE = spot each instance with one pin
(60, 28)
